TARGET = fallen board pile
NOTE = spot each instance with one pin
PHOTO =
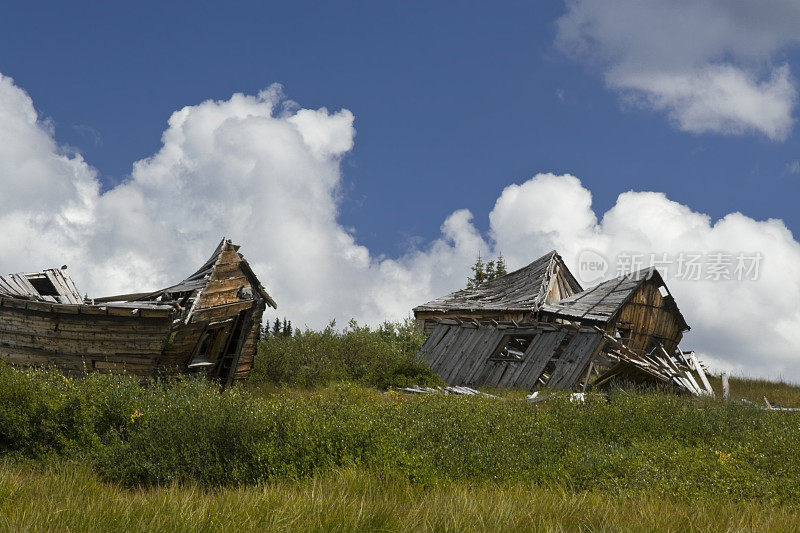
(554, 356)
(655, 366)
(462, 391)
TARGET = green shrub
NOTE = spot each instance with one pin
(42, 413)
(633, 442)
(381, 357)
(187, 430)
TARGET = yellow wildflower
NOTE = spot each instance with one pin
(136, 414)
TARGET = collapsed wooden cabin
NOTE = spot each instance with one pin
(637, 309)
(208, 323)
(517, 296)
(623, 330)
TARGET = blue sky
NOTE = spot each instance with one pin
(134, 135)
(451, 105)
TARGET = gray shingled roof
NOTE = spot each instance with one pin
(25, 286)
(522, 290)
(602, 302)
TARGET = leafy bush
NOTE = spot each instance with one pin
(42, 413)
(187, 430)
(382, 357)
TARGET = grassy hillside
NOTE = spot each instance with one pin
(779, 393)
(187, 431)
(314, 426)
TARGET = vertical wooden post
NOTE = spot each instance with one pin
(726, 389)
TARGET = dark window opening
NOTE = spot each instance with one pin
(624, 334)
(201, 359)
(512, 348)
(43, 285)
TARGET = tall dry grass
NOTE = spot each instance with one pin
(70, 498)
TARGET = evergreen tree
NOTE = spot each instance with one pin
(288, 330)
(276, 328)
(500, 266)
(486, 271)
(285, 326)
(478, 273)
(491, 273)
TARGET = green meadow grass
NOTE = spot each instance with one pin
(187, 431)
(69, 497)
(780, 393)
(315, 442)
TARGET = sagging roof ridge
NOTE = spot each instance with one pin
(488, 295)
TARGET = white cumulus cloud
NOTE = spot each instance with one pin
(711, 65)
(265, 172)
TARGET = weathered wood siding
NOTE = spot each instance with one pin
(427, 320)
(514, 297)
(562, 284)
(228, 295)
(82, 338)
(247, 357)
(649, 316)
(466, 355)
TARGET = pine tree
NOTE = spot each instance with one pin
(285, 326)
(478, 273)
(491, 273)
(288, 330)
(276, 328)
(500, 266)
(486, 271)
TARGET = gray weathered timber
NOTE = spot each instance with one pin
(524, 290)
(602, 302)
(466, 355)
(207, 323)
(556, 356)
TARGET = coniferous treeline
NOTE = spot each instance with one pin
(278, 329)
(486, 271)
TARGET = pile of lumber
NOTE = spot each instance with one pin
(682, 370)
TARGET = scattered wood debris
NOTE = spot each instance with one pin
(575, 397)
(207, 323)
(463, 391)
(535, 329)
(773, 407)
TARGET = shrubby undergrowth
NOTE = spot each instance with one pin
(187, 430)
(379, 357)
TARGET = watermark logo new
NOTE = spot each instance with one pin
(592, 266)
(685, 266)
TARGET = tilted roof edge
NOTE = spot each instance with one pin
(488, 295)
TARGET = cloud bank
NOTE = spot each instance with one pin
(264, 171)
(710, 65)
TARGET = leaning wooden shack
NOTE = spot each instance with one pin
(623, 330)
(517, 296)
(207, 323)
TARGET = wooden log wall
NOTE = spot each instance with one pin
(467, 355)
(82, 338)
(227, 293)
(649, 316)
(427, 320)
